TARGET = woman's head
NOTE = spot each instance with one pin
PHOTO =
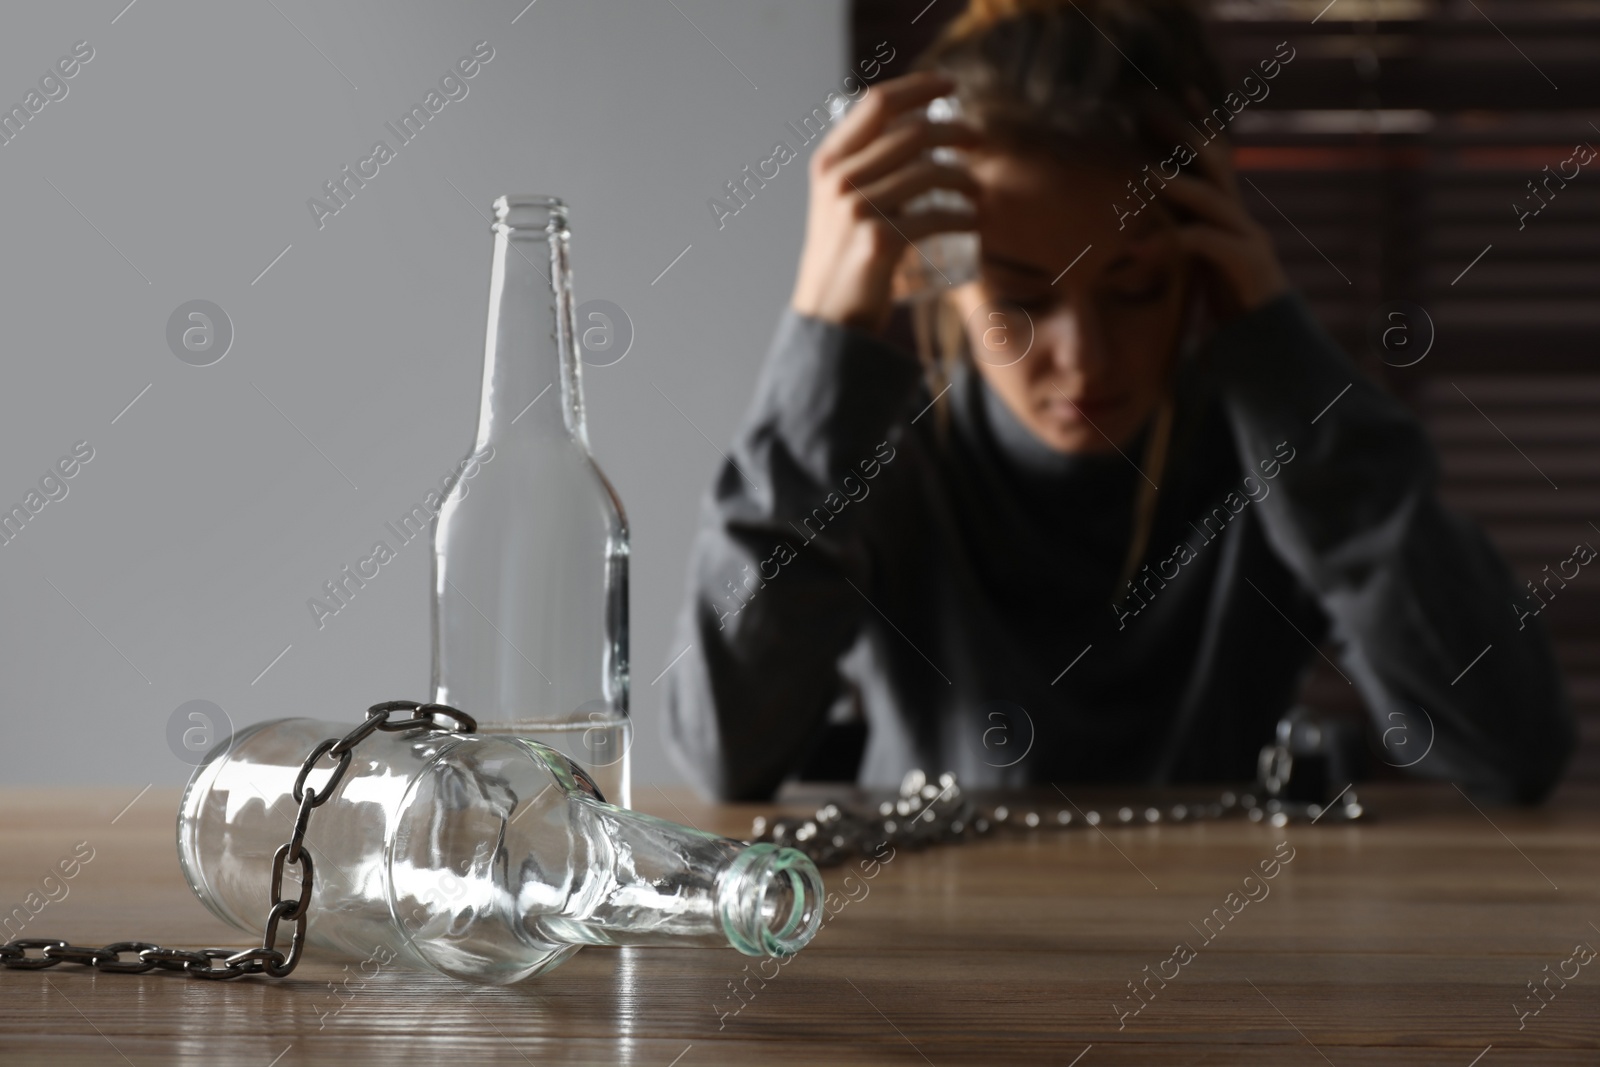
(1080, 304)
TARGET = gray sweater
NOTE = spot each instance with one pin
(956, 580)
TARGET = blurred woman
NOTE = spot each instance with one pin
(1092, 529)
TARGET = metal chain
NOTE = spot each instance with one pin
(268, 958)
(927, 813)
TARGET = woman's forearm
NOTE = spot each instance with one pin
(1416, 594)
(770, 606)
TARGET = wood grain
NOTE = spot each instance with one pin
(1407, 940)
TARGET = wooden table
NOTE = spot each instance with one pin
(1408, 940)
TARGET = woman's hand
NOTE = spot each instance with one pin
(862, 175)
(1217, 230)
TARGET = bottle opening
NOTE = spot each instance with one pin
(770, 901)
(527, 211)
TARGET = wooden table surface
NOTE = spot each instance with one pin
(1407, 940)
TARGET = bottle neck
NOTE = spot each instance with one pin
(532, 385)
(673, 885)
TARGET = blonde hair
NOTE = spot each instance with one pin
(981, 14)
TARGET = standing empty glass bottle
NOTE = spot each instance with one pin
(530, 570)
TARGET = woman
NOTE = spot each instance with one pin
(1093, 532)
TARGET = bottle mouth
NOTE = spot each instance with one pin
(527, 211)
(770, 901)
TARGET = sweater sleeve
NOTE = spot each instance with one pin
(770, 605)
(1424, 608)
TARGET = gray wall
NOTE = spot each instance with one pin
(179, 563)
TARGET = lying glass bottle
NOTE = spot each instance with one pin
(488, 858)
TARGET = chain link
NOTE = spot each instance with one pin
(928, 813)
(268, 959)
